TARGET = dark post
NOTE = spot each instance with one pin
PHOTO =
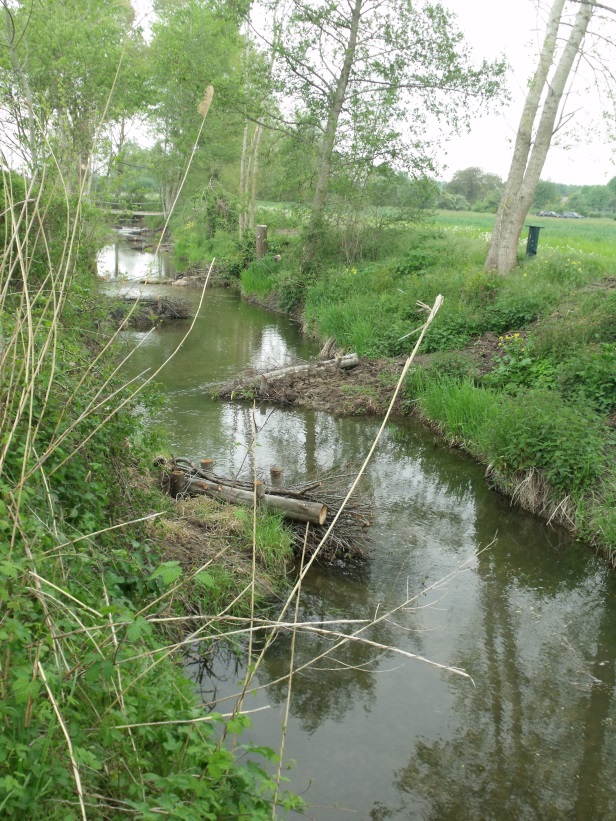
(533, 240)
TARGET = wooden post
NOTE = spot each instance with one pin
(276, 475)
(207, 465)
(261, 241)
(260, 490)
(177, 483)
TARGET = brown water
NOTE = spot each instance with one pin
(526, 611)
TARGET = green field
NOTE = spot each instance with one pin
(571, 236)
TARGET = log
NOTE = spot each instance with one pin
(295, 509)
(347, 362)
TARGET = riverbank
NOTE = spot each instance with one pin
(100, 576)
(519, 371)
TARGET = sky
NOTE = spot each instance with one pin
(514, 29)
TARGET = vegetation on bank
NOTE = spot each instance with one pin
(542, 403)
(98, 717)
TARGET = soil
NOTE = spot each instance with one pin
(365, 389)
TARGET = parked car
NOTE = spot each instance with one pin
(548, 214)
(571, 215)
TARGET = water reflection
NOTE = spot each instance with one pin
(531, 616)
(122, 261)
(532, 739)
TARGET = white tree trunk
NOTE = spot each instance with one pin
(254, 172)
(529, 156)
(243, 186)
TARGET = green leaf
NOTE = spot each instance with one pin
(139, 627)
(167, 572)
(205, 579)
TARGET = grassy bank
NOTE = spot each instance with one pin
(522, 368)
(96, 578)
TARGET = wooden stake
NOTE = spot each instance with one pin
(177, 483)
(261, 241)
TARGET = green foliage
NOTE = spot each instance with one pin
(272, 540)
(590, 374)
(534, 429)
(259, 279)
(67, 77)
(194, 45)
(516, 365)
(476, 186)
(80, 652)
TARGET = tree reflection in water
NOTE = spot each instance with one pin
(532, 740)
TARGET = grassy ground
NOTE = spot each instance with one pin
(541, 402)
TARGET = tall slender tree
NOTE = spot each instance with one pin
(536, 128)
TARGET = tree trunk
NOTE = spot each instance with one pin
(529, 157)
(261, 249)
(254, 170)
(326, 147)
(243, 186)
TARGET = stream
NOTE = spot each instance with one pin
(527, 612)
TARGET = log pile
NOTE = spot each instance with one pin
(264, 385)
(149, 309)
(299, 505)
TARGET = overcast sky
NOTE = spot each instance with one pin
(515, 29)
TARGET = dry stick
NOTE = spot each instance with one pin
(138, 390)
(254, 529)
(199, 720)
(263, 624)
(374, 621)
(65, 593)
(120, 685)
(70, 240)
(287, 708)
(170, 651)
(42, 354)
(68, 741)
(104, 530)
(184, 581)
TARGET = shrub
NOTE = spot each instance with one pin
(591, 375)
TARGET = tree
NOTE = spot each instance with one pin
(474, 184)
(536, 129)
(195, 44)
(370, 74)
(546, 194)
(67, 65)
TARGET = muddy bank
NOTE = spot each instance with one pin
(365, 389)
